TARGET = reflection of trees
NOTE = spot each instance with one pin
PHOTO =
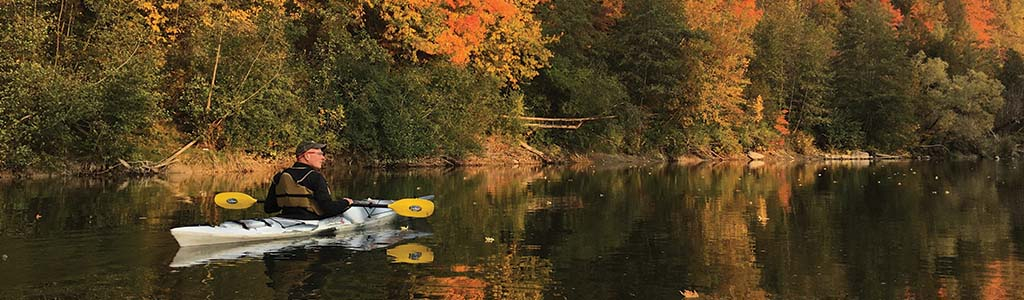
(97, 239)
(511, 275)
(812, 229)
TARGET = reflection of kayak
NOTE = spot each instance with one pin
(282, 228)
(362, 241)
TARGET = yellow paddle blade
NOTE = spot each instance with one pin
(413, 207)
(234, 200)
(411, 253)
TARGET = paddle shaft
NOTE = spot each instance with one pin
(356, 203)
(419, 207)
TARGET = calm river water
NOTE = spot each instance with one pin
(881, 230)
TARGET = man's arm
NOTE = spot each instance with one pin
(323, 197)
(270, 205)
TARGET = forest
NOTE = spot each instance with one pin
(90, 82)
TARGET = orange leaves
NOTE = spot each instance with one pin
(781, 124)
(463, 33)
(494, 36)
(979, 17)
(928, 15)
(746, 9)
(465, 26)
(611, 12)
(897, 16)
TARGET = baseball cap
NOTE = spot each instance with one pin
(305, 146)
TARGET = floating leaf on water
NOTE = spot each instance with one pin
(488, 239)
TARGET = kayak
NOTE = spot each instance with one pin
(275, 228)
(365, 241)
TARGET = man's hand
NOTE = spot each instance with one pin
(347, 199)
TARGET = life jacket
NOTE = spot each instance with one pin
(289, 193)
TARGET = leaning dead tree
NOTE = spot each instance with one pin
(146, 167)
(552, 123)
(558, 123)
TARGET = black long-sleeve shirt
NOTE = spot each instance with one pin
(314, 182)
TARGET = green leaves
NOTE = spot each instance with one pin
(959, 110)
(873, 80)
(418, 112)
(90, 98)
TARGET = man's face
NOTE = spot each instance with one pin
(313, 157)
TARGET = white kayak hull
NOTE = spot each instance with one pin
(275, 228)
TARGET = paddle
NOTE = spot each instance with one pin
(409, 207)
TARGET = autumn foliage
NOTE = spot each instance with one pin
(726, 51)
(494, 36)
(406, 79)
(979, 16)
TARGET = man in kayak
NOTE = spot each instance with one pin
(300, 191)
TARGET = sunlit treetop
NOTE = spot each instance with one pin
(499, 37)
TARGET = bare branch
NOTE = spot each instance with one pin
(137, 46)
(213, 79)
(577, 126)
(560, 119)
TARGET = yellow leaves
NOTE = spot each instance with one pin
(153, 16)
(758, 109)
(728, 25)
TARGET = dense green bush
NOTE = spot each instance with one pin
(92, 101)
(416, 112)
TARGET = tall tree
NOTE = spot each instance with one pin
(1009, 26)
(1010, 120)
(969, 44)
(232, 73)
(580, 81)
(726, 50)
(790, 69)
(872, 82)
(956, 111)
(652, 65)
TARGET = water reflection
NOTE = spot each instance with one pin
(375, 238)
(872, 230)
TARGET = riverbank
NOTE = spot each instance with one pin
(496, 151)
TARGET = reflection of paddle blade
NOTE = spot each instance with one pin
(411, 253)
(234, 200)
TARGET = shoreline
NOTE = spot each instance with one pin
(496, 152)
(239, 163)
